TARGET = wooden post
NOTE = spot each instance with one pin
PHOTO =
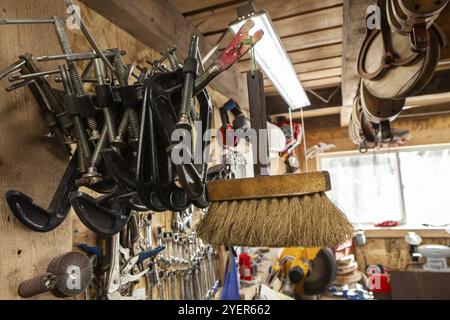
(258, 119)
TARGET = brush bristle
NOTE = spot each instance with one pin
(307, 221)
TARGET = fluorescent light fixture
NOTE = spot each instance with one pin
(274, 61)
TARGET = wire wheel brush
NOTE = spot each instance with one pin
(67, 275)
(274, 211)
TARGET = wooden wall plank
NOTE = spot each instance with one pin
(392, 253)
(309, 22)
(354, 33)
(314, 75)
(299, 42)
(277, 106)
(315, 54)
(27, 162)
(186, 6)
(424, 130)
(215, 21)
(318, 65)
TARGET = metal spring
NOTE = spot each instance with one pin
(99, 71)
(62, 37)
(122, 76)
(109, 123)
(92, 123)
(49, 99)
(76, 80)
(123, 124)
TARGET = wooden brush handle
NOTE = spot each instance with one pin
(264, 187)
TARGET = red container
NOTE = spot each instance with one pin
(245, 267)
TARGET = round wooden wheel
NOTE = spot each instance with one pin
(377, 110)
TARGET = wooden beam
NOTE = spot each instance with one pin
(304, 41)
(354, 33)
(436, 92)
(301, 57)
(313, 84)
(157, 24)
(317, 65)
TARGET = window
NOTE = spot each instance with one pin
(411, 185)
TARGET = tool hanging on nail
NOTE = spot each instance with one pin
(271, 211)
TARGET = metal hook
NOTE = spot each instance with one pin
(37, 218)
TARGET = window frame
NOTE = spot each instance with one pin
(393, 150)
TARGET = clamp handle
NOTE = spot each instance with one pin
(150, 254)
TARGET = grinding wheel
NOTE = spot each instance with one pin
(377, 110)
(322, 273)
(420, 8)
